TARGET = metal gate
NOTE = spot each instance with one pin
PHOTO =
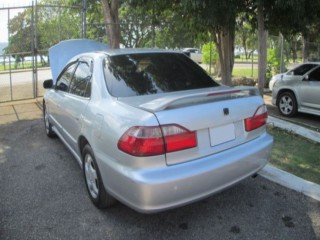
(30, 31)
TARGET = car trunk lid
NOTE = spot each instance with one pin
(216, 115)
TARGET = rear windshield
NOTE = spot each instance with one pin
(153, 73)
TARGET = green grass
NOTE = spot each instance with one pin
(245, 72)
(243, 59)
(19, 66)
(295, 154)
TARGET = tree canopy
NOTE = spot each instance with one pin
(175, 24)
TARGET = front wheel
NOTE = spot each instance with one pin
(95, 187)
(48, 127)
(287, 104)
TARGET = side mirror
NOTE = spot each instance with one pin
(47, 84)
(306, 78)
(291, 73)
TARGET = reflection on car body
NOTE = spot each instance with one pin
(151, 129)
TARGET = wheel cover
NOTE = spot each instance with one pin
(91, 176)
(46, 121)
(286, 105)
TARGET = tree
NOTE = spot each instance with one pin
(136, 26)
(56, 23)
(284, 16)
(245, 35)
(111, 19)
(21, 38)
(218, 18)
(262, 48)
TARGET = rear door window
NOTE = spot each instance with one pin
(315, 75)
(63, 83)
(303, 69)
(81, 81)
(153, 73)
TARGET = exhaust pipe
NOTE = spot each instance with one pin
(254, 175)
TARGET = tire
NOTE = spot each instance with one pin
(48, 127)
(287, 104)
(97, 192)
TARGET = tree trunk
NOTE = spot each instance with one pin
(111, 19)
(224, 41)
(262, 50)
(305, 48)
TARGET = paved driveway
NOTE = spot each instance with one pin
(43, 196)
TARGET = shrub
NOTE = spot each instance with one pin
(273, 64)
(206, 53)
(243, 81)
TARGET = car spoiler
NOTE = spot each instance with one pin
(61, 53)
(160, 104)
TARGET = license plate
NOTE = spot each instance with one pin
(222, 134)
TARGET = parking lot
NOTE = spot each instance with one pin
(43, 196)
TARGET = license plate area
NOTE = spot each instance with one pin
(222, 134)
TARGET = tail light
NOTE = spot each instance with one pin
(156, 140)
(258, 119)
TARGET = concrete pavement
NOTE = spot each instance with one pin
(21, 110)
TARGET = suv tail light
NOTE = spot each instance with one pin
(156, 140)
(258, 119)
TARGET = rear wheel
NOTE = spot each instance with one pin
(95, 187)
(287, 104)
(48, 127)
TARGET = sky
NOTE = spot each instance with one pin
(4, 15)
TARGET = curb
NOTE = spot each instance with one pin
(291, 127)
(291, 181)
(286, 179)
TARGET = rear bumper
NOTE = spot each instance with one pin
(158, 189)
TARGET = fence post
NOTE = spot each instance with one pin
(281, 54)
(10, 71)
(60, 29)
(252, 63)
(210, 63)
(34, 47)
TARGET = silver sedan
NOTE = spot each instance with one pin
(150, 128)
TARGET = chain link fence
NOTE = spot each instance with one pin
(24, 62)
(31, 30)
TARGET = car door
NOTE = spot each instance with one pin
(57, 100)
(76, 101)
(309, 90)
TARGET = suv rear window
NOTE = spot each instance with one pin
(153, 73)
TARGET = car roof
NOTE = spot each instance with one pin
(69, 50)
(122, 51)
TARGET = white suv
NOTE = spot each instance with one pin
(298, 90)
(296, 72)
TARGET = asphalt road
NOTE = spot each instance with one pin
(43, 196)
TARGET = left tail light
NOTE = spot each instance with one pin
(156, 140)
(258, 119)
